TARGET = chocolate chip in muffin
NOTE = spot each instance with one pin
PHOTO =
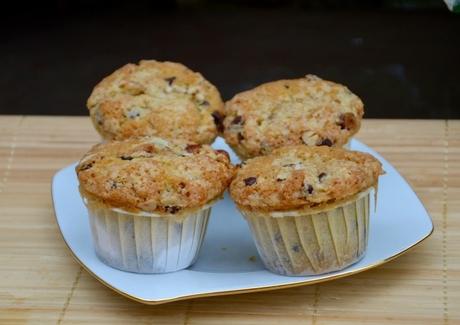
(113, 185)
(286, 86)
(347, 121)
(193, 148)
(182, 185)
(223, 152)
(321, 177)
(308, 188)
(134, 113)
(218, 120)
(241, 164)
(126, 158)
(326, 142)
(204, 103)
(170, 80)
(240, 137)
(250, 181)
(87, 166)
(172, 209)
(237, 120)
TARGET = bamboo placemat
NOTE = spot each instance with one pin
(41, 283)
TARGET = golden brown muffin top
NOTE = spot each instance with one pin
(308, 111)
(153, 98)
(300, 177)
(154, 175)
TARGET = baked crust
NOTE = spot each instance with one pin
(154, 175)
(302, 177)
(153, 98)
(308, 111)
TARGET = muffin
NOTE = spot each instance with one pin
(307, 207)
(153, 98)
(308, 111)
(149, 200)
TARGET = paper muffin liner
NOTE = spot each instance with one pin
(307, 244)
(145, 243)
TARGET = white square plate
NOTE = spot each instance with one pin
(228, 262)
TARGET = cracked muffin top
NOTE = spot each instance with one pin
(300, 177)
(154, 175)
(308, 111)
(153, 98)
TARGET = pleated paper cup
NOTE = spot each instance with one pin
(146, 243)
(297, 243)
